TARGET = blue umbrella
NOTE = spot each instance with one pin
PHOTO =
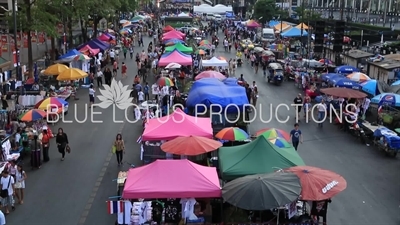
(370, 87)
(346, 69)
(273, 23)
(395, 83)
(328, 76)
(388, 99)
(175, 41)
(346, 83)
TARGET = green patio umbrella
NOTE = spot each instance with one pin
(180, 47)
(136, 18)
(262, 191)
(257, 157)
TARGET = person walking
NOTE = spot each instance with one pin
(124, 70)
(7, 192)
(46, 144)
(91, 95)
(20, 184)
(296, 136)
(146, 90)
(62, 142)
(99, 77)
(107, 76)
(321, 113)
(119, 148)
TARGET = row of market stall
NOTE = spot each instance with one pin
(259, 174)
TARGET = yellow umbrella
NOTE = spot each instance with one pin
(72, 74)
(55, 69)
(303, 25)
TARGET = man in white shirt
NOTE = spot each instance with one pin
(99, 77)
(321, 112)
(140, 96)
(7, 191)
(112, 56)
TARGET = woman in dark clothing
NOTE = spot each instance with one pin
(108, 76)
(62, 142)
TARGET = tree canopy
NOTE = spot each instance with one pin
(305, 14)
(264, 10)
(46, 16)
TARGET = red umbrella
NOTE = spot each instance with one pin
(168, 28)
(318, 184)
(190, 145)
(343, 92)
(210, 74)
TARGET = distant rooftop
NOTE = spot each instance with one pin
(387, 64)
(358, 54)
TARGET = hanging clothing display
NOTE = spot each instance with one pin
(188, 208)
(125, 217)
(172, 211)
(29, 100)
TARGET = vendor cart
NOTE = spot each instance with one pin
(387, 140)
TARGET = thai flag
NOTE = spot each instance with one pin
(114, 207)
(139, 140)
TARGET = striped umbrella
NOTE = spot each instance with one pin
(33, 115)
(165, 81)
(201, 52)
(358, 77)
(280, 142)
(271, 133)
(232, 134)
(51, 102)
(205, 47)
(204, 42)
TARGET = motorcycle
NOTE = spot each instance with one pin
(216, 42)
(357, 131)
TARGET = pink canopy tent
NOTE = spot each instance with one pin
(172, 179)
(175, 57)
(183, 126)
(105, 37)
(174, 32)
(253, 24)
(87, 50)
(169, 36)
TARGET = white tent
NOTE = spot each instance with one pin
(204, 8)
(214, 62)
(183, 15)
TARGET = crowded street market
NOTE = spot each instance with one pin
(206, 129)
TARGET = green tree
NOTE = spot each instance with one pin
(92, 11)
(306, 15)
(265, 10)
(33, 16)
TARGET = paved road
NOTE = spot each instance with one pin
(372, 195)
(74, 191)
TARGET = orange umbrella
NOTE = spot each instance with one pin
(190, 145)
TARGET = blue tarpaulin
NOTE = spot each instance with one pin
(209, 92)
(294, 32)
(69, 54)
(390, 137)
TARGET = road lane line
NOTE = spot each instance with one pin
(99, 180)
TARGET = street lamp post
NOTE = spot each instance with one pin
(17, 66)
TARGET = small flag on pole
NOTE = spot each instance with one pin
(139, 140)
(114, 207)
